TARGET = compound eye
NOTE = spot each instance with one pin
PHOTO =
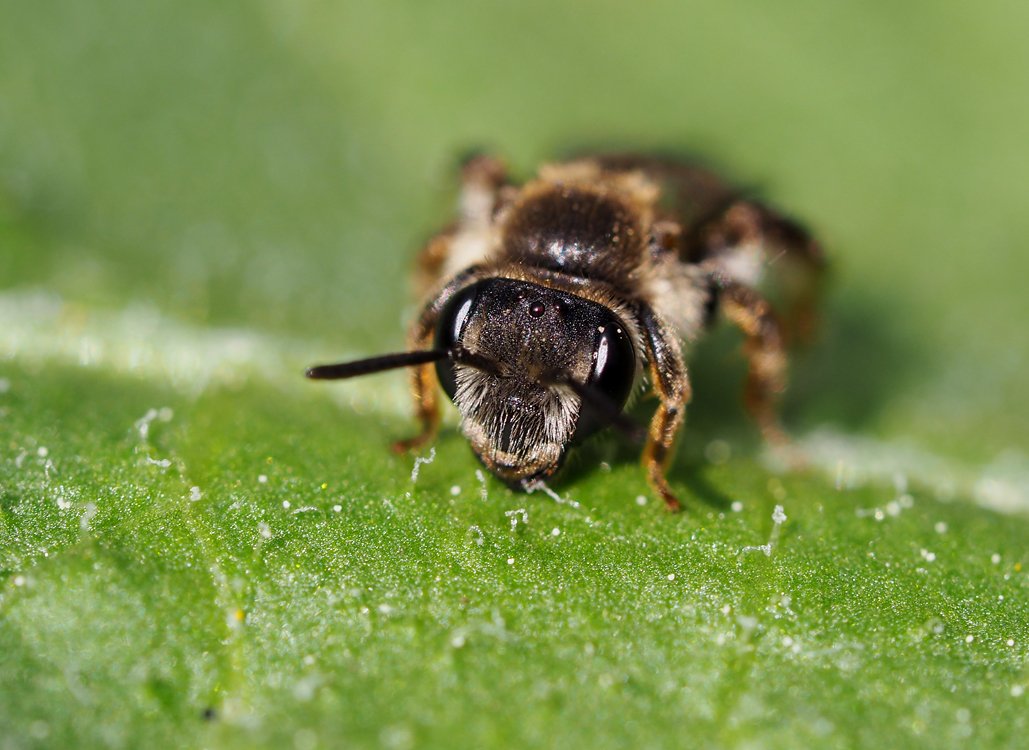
(449, 331)
(614, 370)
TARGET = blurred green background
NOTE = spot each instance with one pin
(276, 167)
(198, 199)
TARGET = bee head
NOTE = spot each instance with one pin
(534, 370)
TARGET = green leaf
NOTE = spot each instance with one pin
(200, 548)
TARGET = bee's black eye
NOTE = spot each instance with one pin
(614, 369)
(452, 321)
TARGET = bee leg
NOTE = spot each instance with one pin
(482, 179)
(672, 385)
(483, 182)
(423, 377)
(793, 256)
(481, 175)
(423, 386)
(766, 357)
(431, 261)
(423, 383)
(803, 275)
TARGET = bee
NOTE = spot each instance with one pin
(549, 303)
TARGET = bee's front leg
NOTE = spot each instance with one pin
(672, 385)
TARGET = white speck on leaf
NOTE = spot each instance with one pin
(87, 516)
(303, 691)
(235, 618)
(195, 494)
(397, 737)
(142, 425)
(455, 491)
(420, 461)
(519, 515)
(778, 519)
(539, 484)
(746, 622)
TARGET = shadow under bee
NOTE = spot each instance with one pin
(860, 362)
